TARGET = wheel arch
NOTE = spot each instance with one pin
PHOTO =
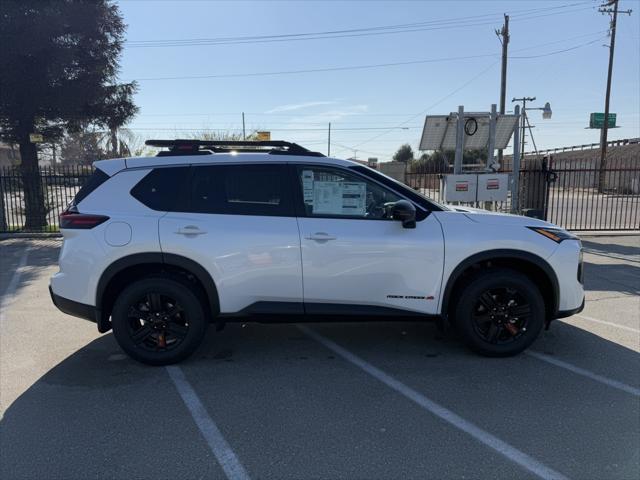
(131, 267)
(528, 263)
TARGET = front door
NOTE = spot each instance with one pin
(352, 254)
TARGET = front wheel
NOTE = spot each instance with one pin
(499, 312)
(158, 321)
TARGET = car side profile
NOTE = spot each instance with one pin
(157, 248)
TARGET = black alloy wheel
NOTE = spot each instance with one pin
(498, 312)
(501, 315)
(159, 320)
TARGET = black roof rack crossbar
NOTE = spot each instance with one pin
(196, 147)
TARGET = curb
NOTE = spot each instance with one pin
(609, 233)
(7, 236)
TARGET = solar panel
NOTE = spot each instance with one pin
(439, 132)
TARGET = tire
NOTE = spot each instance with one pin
(499, 312)
(158, 321)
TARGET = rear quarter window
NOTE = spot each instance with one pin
(97, 178)
(163, 189)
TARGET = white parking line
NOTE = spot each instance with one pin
(13, 284)
(611, 324)
(491, 441)
(227, 459)
(585, 373)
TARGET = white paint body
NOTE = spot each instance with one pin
(286, 259)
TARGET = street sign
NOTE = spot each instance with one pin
(596, 120)
(36, 138)
(264, 136)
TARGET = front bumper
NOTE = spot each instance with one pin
(573, 311)
(70, 307)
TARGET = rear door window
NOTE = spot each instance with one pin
(254, 189)
(164, 189)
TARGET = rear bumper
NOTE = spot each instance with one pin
(70, 307)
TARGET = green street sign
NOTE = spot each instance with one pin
(596, 120)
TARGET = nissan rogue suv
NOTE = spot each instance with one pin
(158, 248)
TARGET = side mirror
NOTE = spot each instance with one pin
(405, 212)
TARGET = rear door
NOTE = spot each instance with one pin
(354, 258)
(238, 222)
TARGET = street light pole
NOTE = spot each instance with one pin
(546, 114)
(524, 101)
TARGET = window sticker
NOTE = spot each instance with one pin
(307, 186)
(354, 195)
(339, 198)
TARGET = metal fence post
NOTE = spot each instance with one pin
(3, 218)
(492, 139)
(457, 163)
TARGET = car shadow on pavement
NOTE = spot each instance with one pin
(612, 250)
(98, 414)
(614, 277)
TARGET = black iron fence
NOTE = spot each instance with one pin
(32, 199)
(575, 194)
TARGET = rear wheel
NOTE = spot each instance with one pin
(499, 312)
(158, 321)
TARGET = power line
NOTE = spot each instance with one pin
(316, 70)
(559, 51)
(467, 83)
(354, 67)
(439, 24)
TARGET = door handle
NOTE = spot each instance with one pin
(320, 237)
(190, 230)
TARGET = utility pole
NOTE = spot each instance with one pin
(244, 133)
(329, 141)
(503, 35)
(606, 8)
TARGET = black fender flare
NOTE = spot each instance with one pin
(503, 253)
(168, 259)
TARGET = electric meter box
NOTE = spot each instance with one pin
(460, 188)
(493, 187)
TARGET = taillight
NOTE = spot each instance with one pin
(82, 221)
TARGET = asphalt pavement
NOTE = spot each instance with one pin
(380, 400)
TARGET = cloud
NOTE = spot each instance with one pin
(300, 106)
(330, 115)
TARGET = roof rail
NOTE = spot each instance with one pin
(205, 147)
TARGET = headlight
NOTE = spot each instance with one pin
(555, 234)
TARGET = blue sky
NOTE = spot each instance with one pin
(374, 110)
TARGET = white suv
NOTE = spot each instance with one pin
(214, 232)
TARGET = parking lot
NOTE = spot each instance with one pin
(369, 400)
